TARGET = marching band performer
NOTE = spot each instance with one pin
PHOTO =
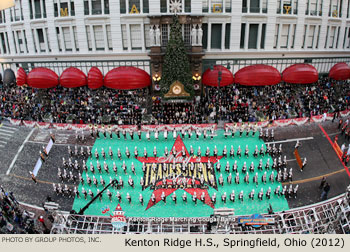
(223, 197)
(237, 178)
(240, 196)
(103, 154)
(184, 197)
(251, 194)
(261, 194)
(136, 153)
(213, 198)
(224, 152)
(232, 152)
(235, 166)
(165, 133)
(232, 196)
(141, 199)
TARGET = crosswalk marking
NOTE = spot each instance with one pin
(7, 127)
(6, 132)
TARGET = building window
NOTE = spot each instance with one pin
(311, 36)
(14, 41)
(314, 7)
(37, 9)
(21, 42)
(187, 34)
(165, 34)
(3, 43)
(335, 8)
(227, 36)
(25, 40)
(106, 6)
(76, 38)
(276, 35)
(163, 6)
(287, 7)
(338, 34)
(205, 36)
(109, 37)
(88, 35)
(67, 38)
(99, 37)
(253, 36)
(326, 41)
(304, 36)
(135, 36)
(346, 38)
(215, 42)
(242, 35)
(228, 6)
(17, 11)
(263, 35)
(253, 6)
(284, 36)
(293, 35)
(332, 36)
(318, 36)
(2, 17)
(216, 6)
(64, 8)
(187, 5)
(134, 6)
(122, 6)
(41, 41)
(147, 38)
(205, 6)
(125, 37)
(145, 6)
(59, 39)
(96, 7)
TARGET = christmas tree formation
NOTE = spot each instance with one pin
(176, 65)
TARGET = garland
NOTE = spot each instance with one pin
(15, 122)
(42, 125)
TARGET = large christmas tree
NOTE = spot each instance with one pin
(176, 66)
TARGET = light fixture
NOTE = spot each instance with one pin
(4, 4)
(196, 77)
(156, 77)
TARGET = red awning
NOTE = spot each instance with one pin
(21, 77)
(72, 77)
(258, 75)
(210, 77)
(42, 78)
(95, 78)
(340, 71)
(127, 77)
(300, 74)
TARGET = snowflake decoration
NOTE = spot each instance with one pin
(175, 6)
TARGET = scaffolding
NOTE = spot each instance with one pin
(327, 217)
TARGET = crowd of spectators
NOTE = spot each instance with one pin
(283, 101)
(175, 112)
(79, 105)
(13, 219)
(235, 103)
